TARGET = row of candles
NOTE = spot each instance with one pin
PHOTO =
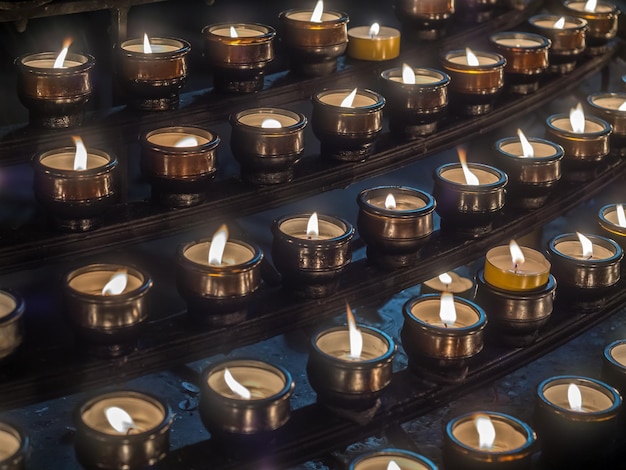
(153, 70)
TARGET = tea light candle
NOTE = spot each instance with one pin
(612, 108)
(602, 18)
(179, 162)
(486, 439)
(121, 429)
(568, 37)
(239, 54)
(374, 43)
(614, 365)
(427, 20)
(613, 220)
(14, 447)
(347, 122)
(515, 268)
(451, 282)
(381, 460)
(11, 324)
(311, 251)
(267, 143)
(394, 222)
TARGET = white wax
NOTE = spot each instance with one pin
(296, 227)
(170, 139)
(9, 445)
(600, 8)
(455, 175)
(93, 282)
(144, 413)
(65, 161)
(7, 304)
(234, 253)
(518, 42)
(262, 383)
(619, 353)
(610, 102)
(428, 311)
(534, 263)
(404, 201)
(593, 400)
(305, 16)
(256, 119)
(362, 32)
(360, 100)
(574, 249)
(173, 45)
(508, 438)
(539, 149)
(564, 124)
(49, 64)
(482, 59)
(549, 24)
(337, 344)
(381, 462)
(458, 284)
(611, 216)
(420, 79)
(242, 32)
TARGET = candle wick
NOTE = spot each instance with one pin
(130, 431)
(515, 268)
(590, 256)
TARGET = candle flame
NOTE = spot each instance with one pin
(486, 432)
(471, 57)
(117, 283)
(517, 257)
(312, 226)
(392, 465)
(356, 338)
(80, 157)
(233, 32)
(587, 246)
(348, 100)
(189, 141)
(445, 278)
(218, 244)
(408, 75)
(622, 107)
(470, 178)
(58, 63)
(119, 419)
(577, 119)
(447, 312)
(235, 386)
(271, 124)
(574, 397)
(147, 49)
(527, 149)
(591, 5)
(621, 217)
(316, 16)
(560, 23)
(374, 30)
(390, 202)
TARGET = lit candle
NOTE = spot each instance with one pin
(424, 19)
(602, 18)
(568, 37)
(449, 282)
(612, 108)
(391, 459)
(14, 447)
(585, 249)
(612, 219)
(513, 268)
(373, 42)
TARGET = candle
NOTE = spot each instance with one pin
(579, 251)
(267, 143)
(612, 219)
(614, 365)
(385, 458)
(14, 447)
(311, 251)
(426, 20)
(449, 282)
(11, 323)
(395, 222)
(568, 37)
(602, 18)
(179, 162)
(122, 429)
(373, 42)
(347, 122)
(612, 108)
(515, 268)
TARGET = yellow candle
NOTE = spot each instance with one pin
(373, 43)
(502, 272)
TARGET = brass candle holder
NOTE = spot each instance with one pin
(526, 57)
(107, 319)
(568, 40)
(417, 101)
(602, 20)
(379, 460)
(475, 11)
(238, 53)
(425, 20)
(610, 221)
(347, 131)
(55, 97)
(14, 447)
(122, 429)
(607, 106)
(267, 143)
(152, 80)
(614, 365)
(11, 324)
(394, 228)
(179, 162)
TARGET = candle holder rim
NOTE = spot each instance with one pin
(87, 403)
(346, 236)
(23, 438)
(500, 59)
(89, 172)
(391, 451)
(616, 257)
(87, 65)
(284, 392)
(479, 325)
(532, 294)
(395, 213)
(609, 348)
(544, 41)
(560, 152)
(596, 384)
(607, 94)
(183, 50)
(212, 137)
(18, 311)
(531, 436)
(146, 282)
(607, 128)
(605, 222)
(257, 256)
(582, 23)
(284, 16)
(445, 78)
(268, 35)
(594, 14)
(370, 108)
(361, 363)
(301, 118)
(502, 176)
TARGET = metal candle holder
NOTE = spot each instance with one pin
(394, 236)
(603, 23)
(314, 47)
(107, 325)
(614, 365)
(179, 175)
(607, 218)
(11, 324)
(425, 20)
(267, 155)
(152, 82)
(379, 460)
(55, 98)
(568, 43)
(238, 63)
(606, 105)
(475, 11)
(99, 446)
(16, 447)
(415, 109)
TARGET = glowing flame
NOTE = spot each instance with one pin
(117, 283)
(445, 278)
(577, 119)
(591, 5)
(574, 397)
(189, 141)
(486, 432)
(374, 30)
(271, 124)
(119, 419)
(235, 386)
(348, 100)
(218, 243)
(80, 157)
(147, 49)
(58, 63)
(560, 23)
(392, 465)
(233, 32)
(356, 338)
(447, 312)
(527, 149)
(313, 226)
(517, 257)
(390, 202)
(622, 107)
(621, 217)
(471, 57)
(470, 178)
(587, 246)
(408, 75)
(316, 16)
